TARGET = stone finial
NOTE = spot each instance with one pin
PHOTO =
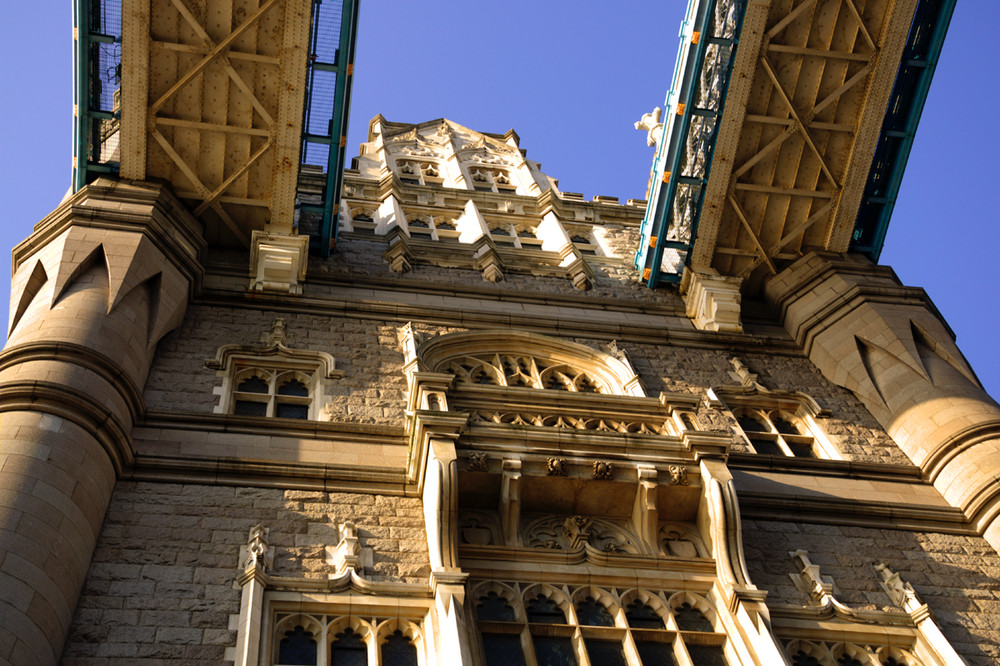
(348, 554)
(278, 334)
(900, 592)
(742, 374)
(810, 581)
(256, 555)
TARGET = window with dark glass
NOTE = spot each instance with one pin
(775, 435)
(500, 631)
(397, 650)
(297, 648)
(267, 393)
(348, 649)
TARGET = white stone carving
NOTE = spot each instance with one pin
(651, 124)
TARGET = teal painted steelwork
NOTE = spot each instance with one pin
(324, 147)
(906, 104)
(677, 127)
(96, 62)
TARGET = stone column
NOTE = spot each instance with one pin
(888, 344)
(96, 285)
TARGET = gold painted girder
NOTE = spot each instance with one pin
(224, 92)
(817, 64)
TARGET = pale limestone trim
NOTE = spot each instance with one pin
(931, 645)
(794, 406)
(273, 360)
(616, 374)
(278, 262)
(713, 301)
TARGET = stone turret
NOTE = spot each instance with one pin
(888, 344)
(97, 284)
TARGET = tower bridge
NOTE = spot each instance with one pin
(261, 405)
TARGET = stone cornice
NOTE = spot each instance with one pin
(821, 467)
(250, 425)
(147, 208)
(212, 470)
(491, 313)
(859, 513)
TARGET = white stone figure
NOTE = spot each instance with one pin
(650, 122)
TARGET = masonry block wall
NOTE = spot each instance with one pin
(161, 587)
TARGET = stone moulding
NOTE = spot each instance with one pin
(616, 374)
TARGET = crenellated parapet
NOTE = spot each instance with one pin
(888, 344)
(98, 283)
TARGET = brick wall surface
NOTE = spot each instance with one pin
(371, 390)
(958, 577)
(161, 584)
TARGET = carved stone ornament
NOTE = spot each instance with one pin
(576, 532)
(557, 466)
(678, 475)
(477, 461)
(603, 470)
(674, 544)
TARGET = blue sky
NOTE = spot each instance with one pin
(570, 78)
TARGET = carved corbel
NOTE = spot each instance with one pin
(645, 514)
(720, 527)
(440, 498)
(488, 260)
(278, 262)
(719, 518)
(510, 501)
(398, 254)
(713, 301)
